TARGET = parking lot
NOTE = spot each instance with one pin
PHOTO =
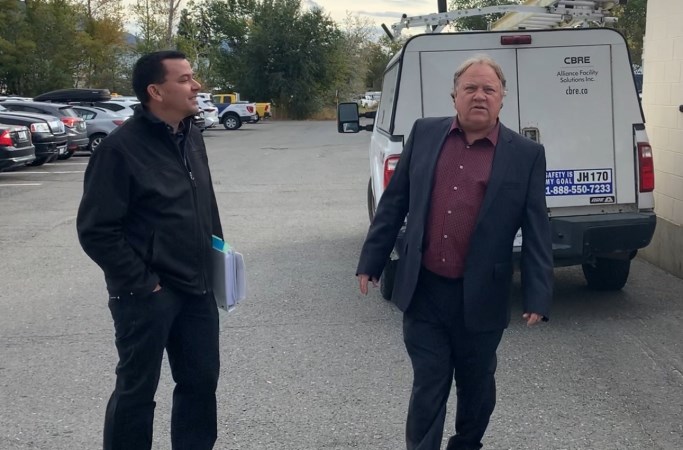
(307, 362)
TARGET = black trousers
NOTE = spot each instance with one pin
(441, 349)
(187, 327)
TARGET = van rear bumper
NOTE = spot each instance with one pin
(581, 239)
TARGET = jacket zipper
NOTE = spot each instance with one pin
(184, 161)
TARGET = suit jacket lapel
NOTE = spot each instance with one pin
(502, 158)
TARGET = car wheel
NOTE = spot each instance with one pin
(607, 274)
(66, 155)
(37, 162)
(232, 122)
(386, 282)
(258, 117)
(95, 141)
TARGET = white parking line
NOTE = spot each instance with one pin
(21, 184)
(72, 164)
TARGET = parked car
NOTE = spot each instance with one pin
(77, 137)
(13, 97)
(124, 98)
(210, 111)
(121, 107)
(16, 148)
(99, 123)
(47, 133)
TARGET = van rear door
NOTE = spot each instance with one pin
(566, 103)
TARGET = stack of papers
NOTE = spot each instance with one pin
(229, 275)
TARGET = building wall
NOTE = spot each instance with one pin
(662, 98)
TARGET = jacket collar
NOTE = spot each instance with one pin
(141, 112)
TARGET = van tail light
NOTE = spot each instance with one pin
(70, 121)
(516, 39)
(250, 109)
(267, 107)
(6, 139)
(646, 168)
(389, 168)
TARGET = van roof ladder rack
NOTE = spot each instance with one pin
(532, 15)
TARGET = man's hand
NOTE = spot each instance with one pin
(363, 282)
(532, 318)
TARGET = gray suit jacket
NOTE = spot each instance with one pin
(515, 197)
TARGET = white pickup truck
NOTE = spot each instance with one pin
(233, 115)
(571, 90)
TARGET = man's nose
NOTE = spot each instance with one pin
(197, 86)
(479, 94)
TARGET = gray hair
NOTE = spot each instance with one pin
(479, 59)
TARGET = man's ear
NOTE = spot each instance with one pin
(154, 92)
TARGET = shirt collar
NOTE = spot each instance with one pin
(492, 136)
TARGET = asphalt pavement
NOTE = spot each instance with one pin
(307, 362)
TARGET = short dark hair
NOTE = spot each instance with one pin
(149, 69)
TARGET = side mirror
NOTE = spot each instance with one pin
(348, 119)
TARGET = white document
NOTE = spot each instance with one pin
(229, 276)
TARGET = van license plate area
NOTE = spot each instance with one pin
(579, 182)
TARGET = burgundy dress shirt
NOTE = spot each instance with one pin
(460, 179)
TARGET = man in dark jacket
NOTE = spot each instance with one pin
(466, 185)
(146, 218)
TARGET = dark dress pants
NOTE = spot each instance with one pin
(187, 327)
(442, 349)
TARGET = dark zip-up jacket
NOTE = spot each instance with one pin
(146, 217)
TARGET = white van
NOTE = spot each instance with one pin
(571, 90)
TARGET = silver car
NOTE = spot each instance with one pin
(99, 123)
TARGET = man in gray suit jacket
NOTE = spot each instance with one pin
(466, 185)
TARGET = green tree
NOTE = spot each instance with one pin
(631, 23)
(150, 18)
(290, 56)
(102, 45)
(356, 56)
(56, 56)
(379, 56)
(16, 43)
(209, 32)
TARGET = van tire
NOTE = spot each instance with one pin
(386, 282)
(231, 121)
(607, 274)
(371, 201)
